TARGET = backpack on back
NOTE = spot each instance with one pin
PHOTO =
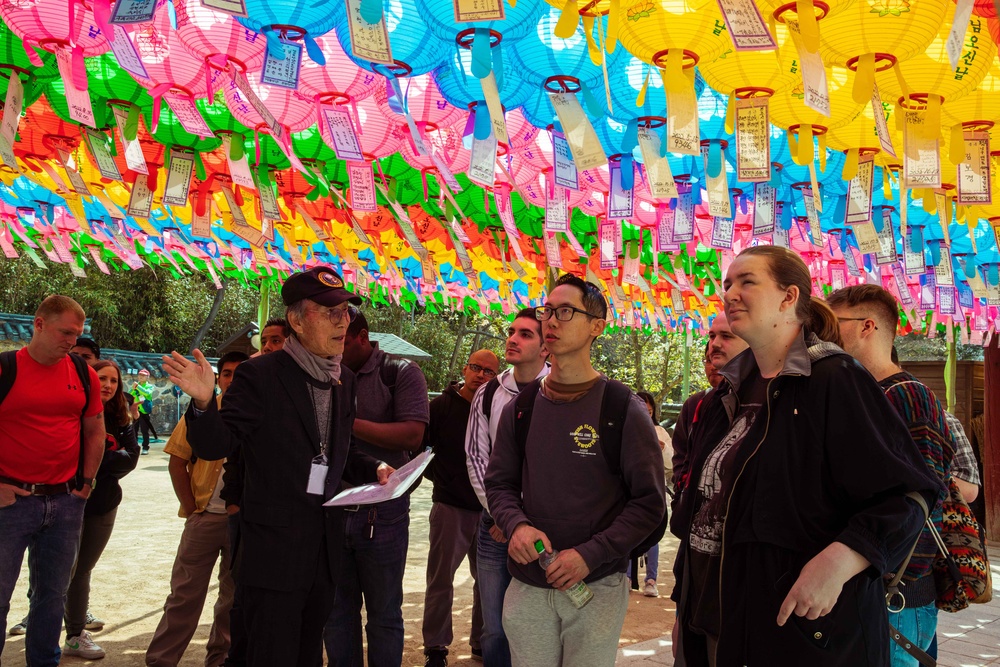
(614, 410)
(8, 374)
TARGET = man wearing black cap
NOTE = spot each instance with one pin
(290, 413)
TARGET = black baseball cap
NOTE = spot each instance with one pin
(321, 284)
(90, 345)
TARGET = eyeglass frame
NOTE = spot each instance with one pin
(539, 313)
(350, 313)
(476, 368)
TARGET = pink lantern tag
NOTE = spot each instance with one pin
(77, 100)
(283, 73)
(187, 114)
(7, 244)
(342, 134)
(124, 50)
(95, 254)
(239, 170)
(240, 79)
(609, 260)
(502, 197)
(362, 181)
(575, 244)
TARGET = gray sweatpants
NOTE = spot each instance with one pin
(545, 629)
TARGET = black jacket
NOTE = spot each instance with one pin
(121, 454)
(446, 435)
(833, 463)
(267, 415)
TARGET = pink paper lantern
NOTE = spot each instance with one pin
(53, 25)
(289, 107)
(218, 40)
(446, 142)
(340, 80)
(169, 64)
(424, 101)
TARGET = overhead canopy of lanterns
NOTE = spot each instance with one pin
(453, 152)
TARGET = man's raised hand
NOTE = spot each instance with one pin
(195, 378)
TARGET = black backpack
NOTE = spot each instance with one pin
(8, 374)
(488, 394)
(614, 410)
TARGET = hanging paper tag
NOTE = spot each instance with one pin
(859, 192)
(283, 73)
(342, 133)
(362, 181)
(913, 258)
(851, 261)
(631, 266)
(124, 50)
(901, 287)
(814, 84)
(239, 170)
(109, 206)
(609, 260)
(921, 154)
(887, 241)
(813, 216)
(179, 173)
(240, 79)
(959, 25)
(881, 126)
(7, 154)
(95, 254)
(134, 157)
(369, 41)
(13, 104)
(867, 238)
(233, 7)
(780, 236)
(201, 225)
(502, 198)
(188, 115)
(491, 94)
(583, 142)
(268, 204)
(565, 171)
(620, 200)
(946, 302)
(556, 210)
(716, 187)
(140, 202)
(665, 230)
(312, 224)
(127, 12)
(746, 26)
(974, 177)
(469, 11)
(764, 209)
(682, 122)
(553, 256)
(484, 155)
(943, 271)
(234, 208)
(684, 219)
(75, 179)
(78, 101)
(658, 174)
(753, 140)
(722, 233)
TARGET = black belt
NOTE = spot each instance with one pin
(39, 489)
(351, 508)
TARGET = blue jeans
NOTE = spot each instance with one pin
(371, 568)
(49, 527)
(652, 564)
(919, 625)
(494, 577)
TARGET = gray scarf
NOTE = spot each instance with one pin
(318, 368)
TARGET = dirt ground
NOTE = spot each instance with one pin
(132, 580)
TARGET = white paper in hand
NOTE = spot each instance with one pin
(398, 484)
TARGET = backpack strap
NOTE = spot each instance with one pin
(389, 370)
(614, 410)
(8, 372)
(488, 394)
(524, 404)
(83, 370)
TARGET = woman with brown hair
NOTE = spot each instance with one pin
(121, 454)
(795, 506)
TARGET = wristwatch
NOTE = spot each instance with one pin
(87, 481)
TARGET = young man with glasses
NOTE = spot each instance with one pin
(392, 415)
(557, 487)
(455, 512)
(290, 413)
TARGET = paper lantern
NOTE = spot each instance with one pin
(788, 110)
(423, 101)
(755, 72)
(377, 135)
(983, 104)
(461, 88)
(650, 29)
(541, 55)
(415, 49)
(339, 81)
(169, 64)
(302, 19)
(218, 40)
(289, 108)
(440, 17)
(53, 25)
(13, 58)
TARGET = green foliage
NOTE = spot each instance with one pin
(917, 347)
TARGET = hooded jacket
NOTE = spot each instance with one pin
(827, 460)
(446, 435)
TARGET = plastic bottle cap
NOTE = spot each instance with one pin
(539, 547)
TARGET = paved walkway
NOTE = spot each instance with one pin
(970, 638)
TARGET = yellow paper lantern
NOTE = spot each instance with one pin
(788, 108)
(754, 71)
(650, 29)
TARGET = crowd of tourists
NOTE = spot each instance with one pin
(797, 484)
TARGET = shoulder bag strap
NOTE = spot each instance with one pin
(892, 590)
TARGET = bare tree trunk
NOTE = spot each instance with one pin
(462, 330)
(665, 384)
(203, 331)
(637, 349)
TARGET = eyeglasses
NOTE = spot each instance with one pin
(337, 315)
(856, 319)
(562, 313)
(476, 368)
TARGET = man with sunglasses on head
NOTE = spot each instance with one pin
(290, 413)
(455, 512)
(554, 480)
(392, 416)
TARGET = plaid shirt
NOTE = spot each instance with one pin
(964, 465)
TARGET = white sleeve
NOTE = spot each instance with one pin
(478, 446)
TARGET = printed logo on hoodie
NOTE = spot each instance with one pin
(584, 437)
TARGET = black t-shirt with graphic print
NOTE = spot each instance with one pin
(705, 540)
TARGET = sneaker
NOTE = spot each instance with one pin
(436, 658)
(20, 628)
(145, 450)
(93, 623)
(649, 590)
(83, 646)
(477, 654)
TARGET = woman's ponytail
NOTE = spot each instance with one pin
(823, 322)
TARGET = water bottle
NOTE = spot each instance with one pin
(579, 593)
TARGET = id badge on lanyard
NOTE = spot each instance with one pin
(317, 473)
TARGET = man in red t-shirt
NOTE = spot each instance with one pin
(42, 489)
